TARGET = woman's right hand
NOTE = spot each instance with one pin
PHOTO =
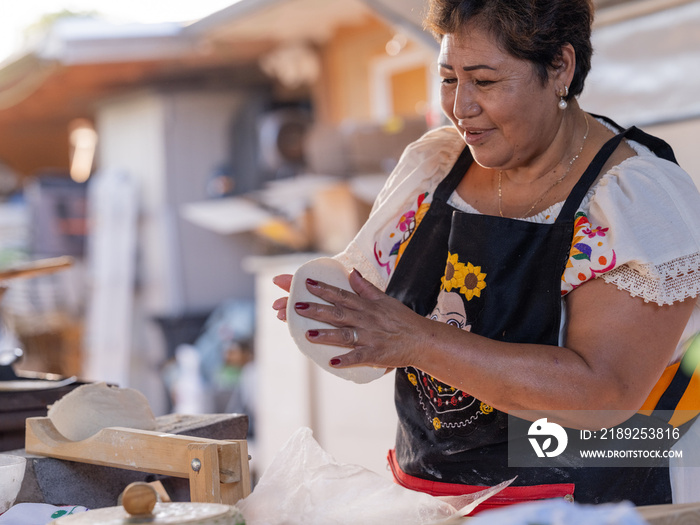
(284, 281)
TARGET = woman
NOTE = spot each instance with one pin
(573, 248)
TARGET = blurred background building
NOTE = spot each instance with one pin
(183, 165)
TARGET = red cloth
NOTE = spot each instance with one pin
(507, 496)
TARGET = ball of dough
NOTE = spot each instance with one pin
(334, 273)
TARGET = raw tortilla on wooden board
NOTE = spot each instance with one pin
(332, 272)
(85, 411)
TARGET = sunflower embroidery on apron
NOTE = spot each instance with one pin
(445, 406)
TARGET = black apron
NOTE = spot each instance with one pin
(507, 273)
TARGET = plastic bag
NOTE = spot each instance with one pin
(37, 513)
(305, 485)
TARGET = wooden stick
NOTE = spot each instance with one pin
(204, 476)
(36, 268)
(232, 492)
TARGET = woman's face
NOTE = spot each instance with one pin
(497, 102)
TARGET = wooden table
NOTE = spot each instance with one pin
(681, 514)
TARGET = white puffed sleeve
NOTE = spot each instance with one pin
(651, 209)
(398, 207)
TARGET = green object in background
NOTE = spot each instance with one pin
(692, 356)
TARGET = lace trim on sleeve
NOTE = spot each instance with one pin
(665, 283)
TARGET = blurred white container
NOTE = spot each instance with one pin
(11, 476)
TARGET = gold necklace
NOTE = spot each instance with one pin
(556, 182)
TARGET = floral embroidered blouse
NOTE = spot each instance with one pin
(637, 228)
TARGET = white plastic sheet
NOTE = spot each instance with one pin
(305, 485)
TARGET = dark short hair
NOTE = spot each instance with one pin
(533, 30)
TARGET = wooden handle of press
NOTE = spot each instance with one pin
(139, 498)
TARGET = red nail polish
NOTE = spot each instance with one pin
(311, 282)
(312, 333)
(335, 361)
(301, 306)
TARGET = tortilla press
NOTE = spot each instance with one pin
(218, 470)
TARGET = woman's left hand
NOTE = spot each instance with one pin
(381, 330)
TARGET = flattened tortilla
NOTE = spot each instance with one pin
(89, 408)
